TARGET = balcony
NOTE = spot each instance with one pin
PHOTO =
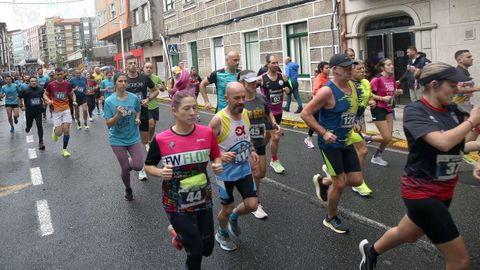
(142, 33)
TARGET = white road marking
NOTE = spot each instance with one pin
(36, 176)
(44, 218)
(32, 154)
(345, 212)
(29, 138)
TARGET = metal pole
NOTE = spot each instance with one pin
(123, 49)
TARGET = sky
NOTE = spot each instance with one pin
(23, 16)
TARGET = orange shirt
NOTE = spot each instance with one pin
(59, 93)
(320, 80)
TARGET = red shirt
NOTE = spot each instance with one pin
(59, 93)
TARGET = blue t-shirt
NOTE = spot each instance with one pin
(42, 81)
(11, 93)
(221, 78)
(291, 70)
(125, 132)
(24, 86)
(81, 84)
(108, 86)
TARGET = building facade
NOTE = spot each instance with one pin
(19, 46)
(4, 55)
(59, 38)
(202, 32)
(146, 31)
(377, 29)
(33, 42)
(113, 20)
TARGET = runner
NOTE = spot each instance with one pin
(138, 84)
(435, 131)
(107, 87)
(42, 81)
(365, 99)
(153, 103)
(384, 90)
(57, 94)
(259, 116)
(337, 103)
(122, 115)
(187, 192)
(221, 78)
(98, 77)
(322, 77)
(273, 84)
(32, 103)
(195, 80)
(10, 92)
(231, 126)
(79, 85)
(25, 83)
(91, 94)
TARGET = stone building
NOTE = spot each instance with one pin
(4, 50)
(202, 32)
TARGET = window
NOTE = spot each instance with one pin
(146, 13)
(169, 5)
(252, 51)
(187, 2)
(136, 17)
(121, 6)
(101, 17)
(194, 55)
(297, 47)
(112, 11)
(218, 55)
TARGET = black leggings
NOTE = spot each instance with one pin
(91, 104)
(310, 130)
(38, 120)
(196, 232)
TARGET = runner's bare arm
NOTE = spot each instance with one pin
(319, 101)
(216, 125)
(203, 92)
(118, 115)
(154, 93)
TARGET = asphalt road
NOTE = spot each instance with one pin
(93, 227)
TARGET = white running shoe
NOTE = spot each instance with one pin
(379, 161)
(91, 119)
(260, 213)
(142, 175)
(308, 142)
(226, 243)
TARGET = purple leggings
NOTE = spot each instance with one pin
(128, 163)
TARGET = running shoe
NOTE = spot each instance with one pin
(308, 142)
(176, 241)
(368, 262)
(147, 147)
(54, 136)
(15, 120)
(379, 161)
(469, 160)
(79, 126)
(320, 189)
(86, 127)
(65, 153)
(41, 146)
(368, 139)
(260, 213)
(233, 227)
(128, 194)
(299, 110)
(335, 224)
(27, 130)
(142, 175)
(277, 166)
(226, 243)
(12, 129)
(362, 190)
(90, 119)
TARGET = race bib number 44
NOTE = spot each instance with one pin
(60, 95)
(193, 191)
(447, 167)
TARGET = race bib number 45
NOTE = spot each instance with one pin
(257, 131)
(193, 191)
(447, 167)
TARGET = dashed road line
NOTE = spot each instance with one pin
(36, 176)
(29, 138)
(32, 153)
(44, 218)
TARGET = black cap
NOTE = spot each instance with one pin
(451, 74)
(342, 60)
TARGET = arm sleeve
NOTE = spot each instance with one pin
(417, 122)
(154, 156)
(214, 148)
(212, 78)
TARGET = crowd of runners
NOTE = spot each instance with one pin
(440, 128)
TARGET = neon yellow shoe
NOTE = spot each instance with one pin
(54, 136)
(469, 159)
(65, 153)
(277, 166)
(363, 189)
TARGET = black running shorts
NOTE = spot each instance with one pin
(341, 160)
(245, 186)
(154, 114)
(379, 114)
(433, 217)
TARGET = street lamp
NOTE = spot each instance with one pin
(121, 39)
